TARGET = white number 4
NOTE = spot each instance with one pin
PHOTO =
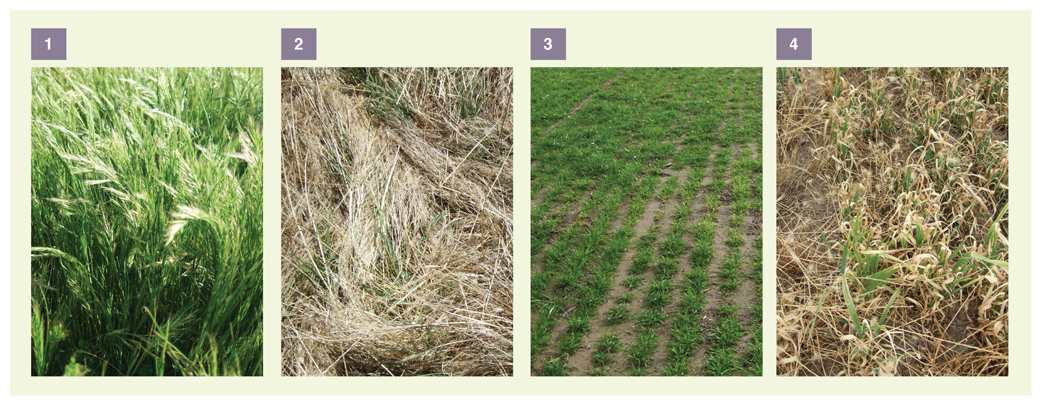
(794, 43)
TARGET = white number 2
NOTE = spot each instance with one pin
(548, 44)
(794, 43)
(299, 44)
(48, 41)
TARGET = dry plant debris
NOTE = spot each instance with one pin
(892, 203)
(397, 236)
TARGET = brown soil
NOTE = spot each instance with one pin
(539, 198)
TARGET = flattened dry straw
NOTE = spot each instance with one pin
(892, 199)
(397, 221)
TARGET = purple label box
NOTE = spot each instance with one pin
(299, 43)
(794, 44)
(548, 44)
(48, 44)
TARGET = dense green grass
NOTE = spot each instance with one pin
(555, 92)
(147, 240)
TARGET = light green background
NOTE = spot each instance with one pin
(441, 38)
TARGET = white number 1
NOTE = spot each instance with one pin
(299, 44)
(794, 43)
(48, 41)
(548, 44)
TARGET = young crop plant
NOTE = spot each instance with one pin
(146, 213)
(601, 359)
(632, 282)
(625, 298)
(735, 238)
(397, 214)
(556, 367)
(904, 232)
(617, 314)
(651, 318)
(631, 180)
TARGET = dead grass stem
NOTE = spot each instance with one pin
(397, 221)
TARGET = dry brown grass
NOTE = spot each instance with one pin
(892, 196)
(397, 233)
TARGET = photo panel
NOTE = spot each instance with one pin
(646, 222)
(146, 225)
(892, 221)
(397, 232)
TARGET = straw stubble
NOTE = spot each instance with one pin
(397, 221)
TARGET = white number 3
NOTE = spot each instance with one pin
(794, 43)
(548, 44)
